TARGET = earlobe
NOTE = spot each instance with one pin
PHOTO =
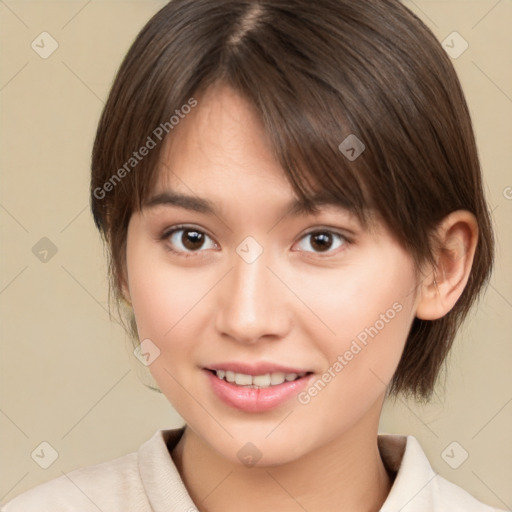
(442, 286)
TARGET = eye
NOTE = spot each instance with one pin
(322, 241)
(185, 240)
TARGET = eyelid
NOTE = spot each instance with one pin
(346, 233)
(177, 227)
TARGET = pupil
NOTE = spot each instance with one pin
(192, 239)
(322, 241)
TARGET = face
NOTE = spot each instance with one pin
(307, 313)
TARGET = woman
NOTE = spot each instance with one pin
(291, 198)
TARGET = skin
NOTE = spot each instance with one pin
(296, 305)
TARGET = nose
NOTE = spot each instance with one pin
(253, 303)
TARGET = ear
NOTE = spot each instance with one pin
(457, 236)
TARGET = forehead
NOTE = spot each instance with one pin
(222, 138)
(221, 152)
(219, 161)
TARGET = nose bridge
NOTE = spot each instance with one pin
(252, 303)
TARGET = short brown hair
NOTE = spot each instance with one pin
(316, 72)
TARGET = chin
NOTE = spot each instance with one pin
(254, 446)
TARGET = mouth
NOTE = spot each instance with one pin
(256, 389)
(262, 381)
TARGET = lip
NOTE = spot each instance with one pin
(256, 369)
(255, 400)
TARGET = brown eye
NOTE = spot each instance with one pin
(322, 242)
(192, 240)
(188, 240)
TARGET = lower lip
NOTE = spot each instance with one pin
(253, 399)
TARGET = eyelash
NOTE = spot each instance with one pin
(194, 254)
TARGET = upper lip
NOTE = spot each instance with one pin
(260, 368)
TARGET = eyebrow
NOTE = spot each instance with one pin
(201, 205)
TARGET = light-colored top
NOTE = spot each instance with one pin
(148, 481)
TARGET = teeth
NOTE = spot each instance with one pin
(242, 379)
(277, 378)
(262, 381)
(257, 381)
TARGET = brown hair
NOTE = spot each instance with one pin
(316, 73)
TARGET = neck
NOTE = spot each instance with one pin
(346, 474)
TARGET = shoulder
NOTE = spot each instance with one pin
(113, 485)
(450, 497)
(417, 487)
(141, 481)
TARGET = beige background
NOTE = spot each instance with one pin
(67, 375)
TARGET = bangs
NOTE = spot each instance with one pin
(305, 118)
(305, 134)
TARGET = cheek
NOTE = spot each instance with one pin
(160, 304)
(367, 311)
(162, 294)
(167, 301)
(152, 304)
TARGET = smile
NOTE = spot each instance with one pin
(257, 381)
(256, 389)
